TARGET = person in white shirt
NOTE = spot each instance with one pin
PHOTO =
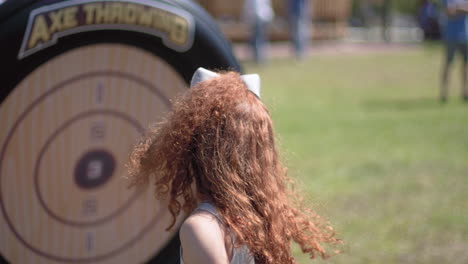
(258, 13)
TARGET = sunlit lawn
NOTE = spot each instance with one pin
(376, 151)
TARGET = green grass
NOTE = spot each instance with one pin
(378, 154)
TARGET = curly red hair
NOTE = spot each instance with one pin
(219, 136)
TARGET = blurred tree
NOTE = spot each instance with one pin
(410, 6)
(406, 6)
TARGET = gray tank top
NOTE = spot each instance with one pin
(240, 255)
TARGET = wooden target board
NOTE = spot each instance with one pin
(82, 80)
(68, 134)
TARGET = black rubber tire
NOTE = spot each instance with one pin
(210, 50)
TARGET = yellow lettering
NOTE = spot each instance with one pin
(39, 32)
(145, 17)
(178, 33)
(102, 14)
(157, 20)
(167, 22)
(56, 19)
(115, 13)
(69, 17)
(45, 25)
(138, 10)
(130, 14)
(89, 10)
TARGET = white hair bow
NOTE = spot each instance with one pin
(252, 81)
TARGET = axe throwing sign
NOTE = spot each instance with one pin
(81, 81)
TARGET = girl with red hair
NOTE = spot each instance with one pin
(215, 158)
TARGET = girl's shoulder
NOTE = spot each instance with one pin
(205, 215)
(208, 239)
(203, 224)
(202, 238)
(200, 221)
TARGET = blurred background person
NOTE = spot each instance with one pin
(258, 14)
(299, 18)
(456, 39)
(428, 19)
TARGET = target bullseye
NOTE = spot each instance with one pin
(94, 169)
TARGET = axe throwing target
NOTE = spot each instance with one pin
(81, 80)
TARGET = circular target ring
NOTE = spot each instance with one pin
(81, 165)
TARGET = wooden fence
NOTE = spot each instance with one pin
(329, 18)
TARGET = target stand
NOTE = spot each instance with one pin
(80, 82)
